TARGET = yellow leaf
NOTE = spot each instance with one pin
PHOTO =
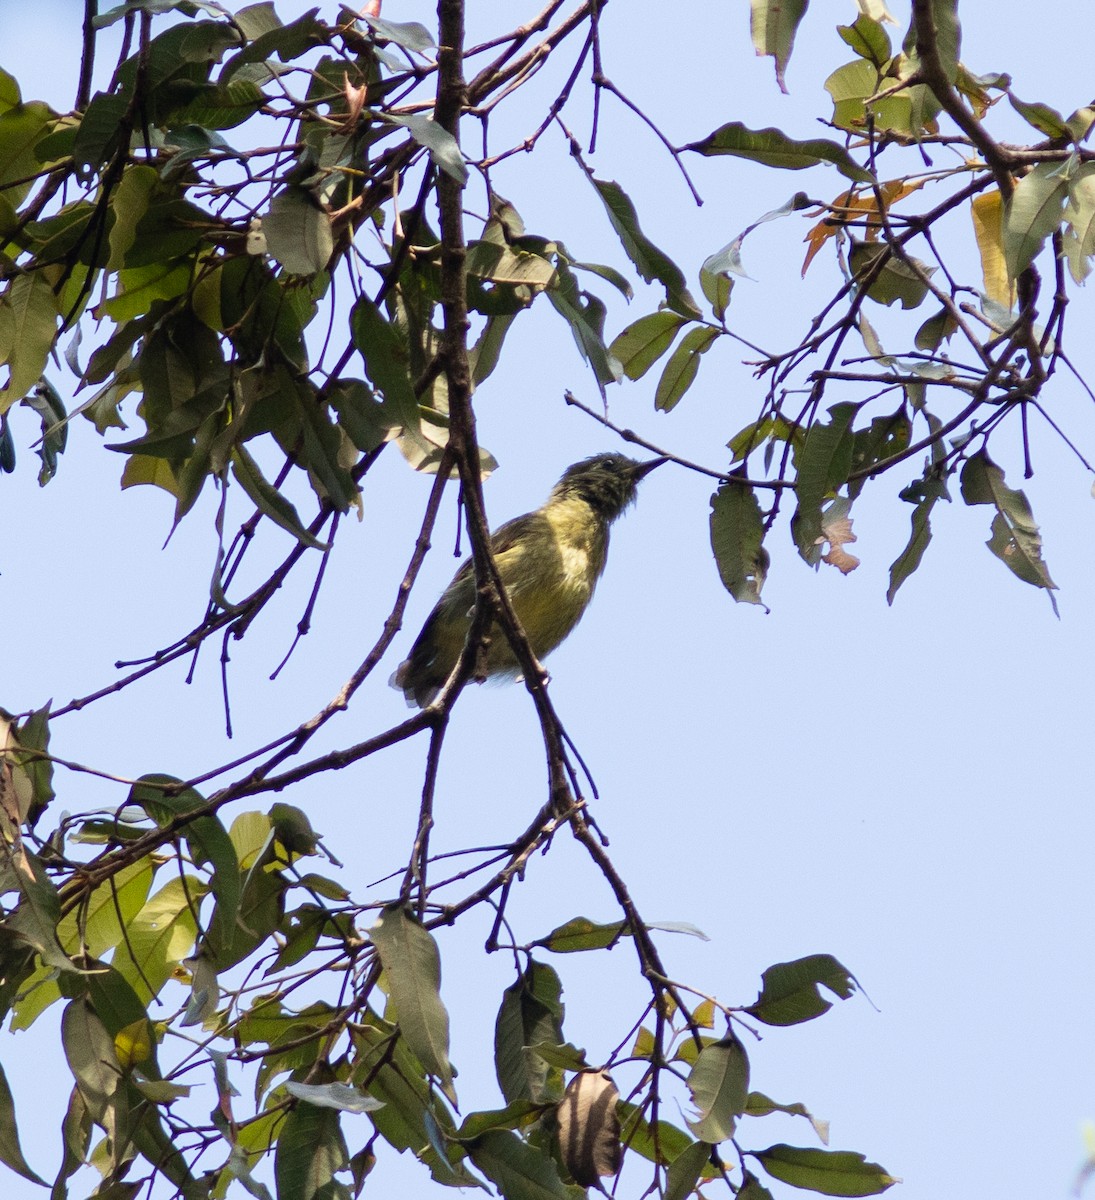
(133, 1044)
(987, 211)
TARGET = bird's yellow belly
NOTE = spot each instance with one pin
(569, 563)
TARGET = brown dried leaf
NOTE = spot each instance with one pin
(589, 1129)
(838, 533)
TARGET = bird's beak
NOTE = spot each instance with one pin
(644, 469)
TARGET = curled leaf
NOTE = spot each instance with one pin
(589, 1129)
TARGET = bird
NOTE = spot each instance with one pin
(549, 560)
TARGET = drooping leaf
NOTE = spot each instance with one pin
(830, 1172)
(680, 371)
(310, 1150)
(1032, 213)
(585, 314)
(268, 500)
(686, 1170)
(11, 1154)
(520, 1171)
(824, 464)
(443, 147)
(719, 1086)
(924, 495)
(1016, 539)
(412, 964)
(387, 360)
(737, 530)
(651, 262)
(1046, 119)
(32, 326)
(773, 24)
(589, 1129)
(531, 1014)
(298, 232)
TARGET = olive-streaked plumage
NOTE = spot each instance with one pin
(549, 560)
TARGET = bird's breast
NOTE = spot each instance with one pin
(569, 560)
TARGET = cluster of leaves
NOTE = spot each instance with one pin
(220, 199)
(1024, 204)
(257, 961)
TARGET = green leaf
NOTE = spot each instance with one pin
(789, 993)
(101, 922)
(1080, 213)
(298, 232)
(21, 127)
(868, 38)
(531, 1014)
(412, 964)
(924, 495)
(643, 342)
(32, 327)
(737, 530)
(443, 147)
(680, 371)
(89, 1050)
(824, 464)
(948, 34)
(160, 936)
(774, 148)
(585, 314)
(38, 912)
(651, 263)
(760, 1105)
(719, 1085)
(752, 1189)
(831, 1172)
(772, 25)
(75, 1141)
(686, 1170)
(387, 361)
(1015, 540)
(411, 35)
(269, 501)
(519, 1170)
(581, 933)
(515, 1115)
(638, 1135)
(510, 265)
(882, 439)
(270, 37)
(11, 1154)
(1042, 117)
(333, 1095)
(1033, 212)
(412, 1113)
(311, 1149)
(890, 279)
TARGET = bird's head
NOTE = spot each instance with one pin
(606, 482)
